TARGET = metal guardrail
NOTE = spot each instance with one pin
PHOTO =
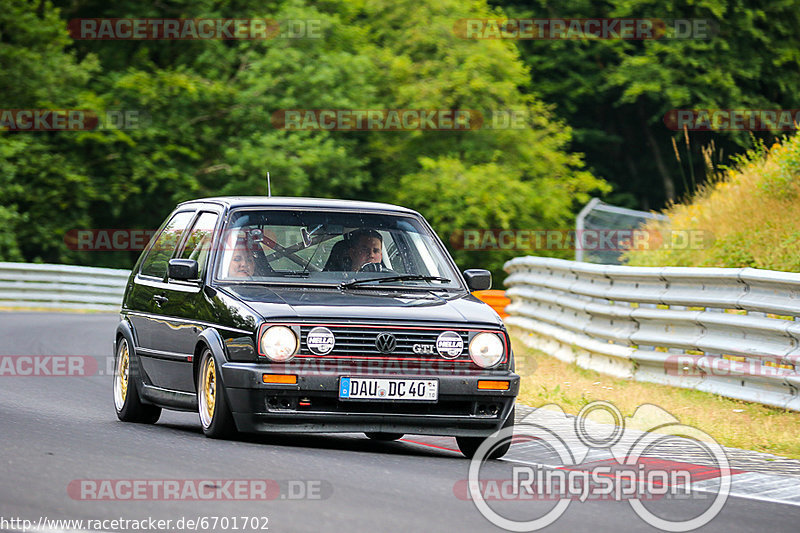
(728, 331)
(61, 286)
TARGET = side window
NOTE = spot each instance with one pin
(199, 242)
(155, 264)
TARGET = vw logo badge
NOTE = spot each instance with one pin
(385, 342)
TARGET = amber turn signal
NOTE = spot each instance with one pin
(493, 385)
(289, 379)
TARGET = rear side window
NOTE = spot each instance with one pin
(155, 264)
(198, 243)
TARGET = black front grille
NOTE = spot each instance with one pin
(334, 405)
(359, 342)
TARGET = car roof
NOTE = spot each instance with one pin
(299, 202)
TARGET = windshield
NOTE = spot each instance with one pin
(332, 247)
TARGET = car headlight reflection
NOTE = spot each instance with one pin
(279, 343)
(486, 349)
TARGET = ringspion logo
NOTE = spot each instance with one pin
(638, 468)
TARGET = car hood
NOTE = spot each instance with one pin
(332, 304)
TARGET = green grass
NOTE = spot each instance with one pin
(733, 423)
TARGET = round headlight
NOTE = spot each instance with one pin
(486, 349)
(279, 343)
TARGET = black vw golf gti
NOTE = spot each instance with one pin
(311, 315)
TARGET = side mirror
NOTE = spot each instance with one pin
(183, 269)
(478, 279)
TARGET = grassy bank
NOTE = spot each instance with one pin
(746, 217)
(731, 422)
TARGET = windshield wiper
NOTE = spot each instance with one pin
(406, 277)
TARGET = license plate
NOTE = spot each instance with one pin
(425, 390)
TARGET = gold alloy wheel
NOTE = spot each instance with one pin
(121, 375)
(208, 390)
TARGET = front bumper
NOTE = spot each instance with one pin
(313, 404)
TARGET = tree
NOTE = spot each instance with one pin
(43, 185)
(616, 93)
(205, 123)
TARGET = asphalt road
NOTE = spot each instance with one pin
(57, 431)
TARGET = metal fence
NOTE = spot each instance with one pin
(61, 286)
(599, 216)
(729, 331)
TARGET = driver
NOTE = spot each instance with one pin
(366, 247)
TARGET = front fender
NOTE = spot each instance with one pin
(211, 339)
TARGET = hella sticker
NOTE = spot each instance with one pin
(320, 341)
(449, 344)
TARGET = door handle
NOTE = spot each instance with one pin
(160, 299)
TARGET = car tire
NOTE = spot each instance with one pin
(215, 415)
(469, 445)
(127, 404)
(386, 437)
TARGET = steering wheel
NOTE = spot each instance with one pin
(375, 267)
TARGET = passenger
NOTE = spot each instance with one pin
(242, 263)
